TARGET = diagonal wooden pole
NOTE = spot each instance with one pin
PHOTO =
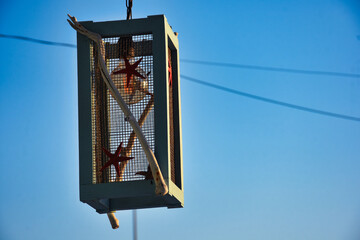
(131, 141)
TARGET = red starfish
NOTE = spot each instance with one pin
(130, 69)
(115, 159)
(170, 72)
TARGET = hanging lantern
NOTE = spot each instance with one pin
(142, 61)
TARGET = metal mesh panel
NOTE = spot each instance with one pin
(174, 124)
(109, 126)
(171, 117)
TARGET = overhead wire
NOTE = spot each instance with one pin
(273, 69)
(231, 90)
(268, 100)
(38, 40)
(221, 64)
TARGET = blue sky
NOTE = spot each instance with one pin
(252, 170)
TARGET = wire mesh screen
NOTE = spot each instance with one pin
(173, 119)
(171, 115)
(130, 63)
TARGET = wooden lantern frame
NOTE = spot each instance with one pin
(106, 197)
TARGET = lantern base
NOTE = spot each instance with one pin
(109, 197)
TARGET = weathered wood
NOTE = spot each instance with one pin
(113, 220)
(132, 138)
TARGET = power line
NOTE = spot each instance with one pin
(232, 65)
(230, 90)
(272, 101)
(273, 69)
(38, 41)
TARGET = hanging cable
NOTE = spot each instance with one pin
(221, 64)
(272, 101)
(129, 4)
(45, 42)
(273, 69)
(230, 90)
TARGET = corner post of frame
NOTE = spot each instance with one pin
(161, 96)
(84, 110)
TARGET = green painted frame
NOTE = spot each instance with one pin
(107, 197)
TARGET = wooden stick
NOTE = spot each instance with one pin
(113, 220)
(131, 141)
